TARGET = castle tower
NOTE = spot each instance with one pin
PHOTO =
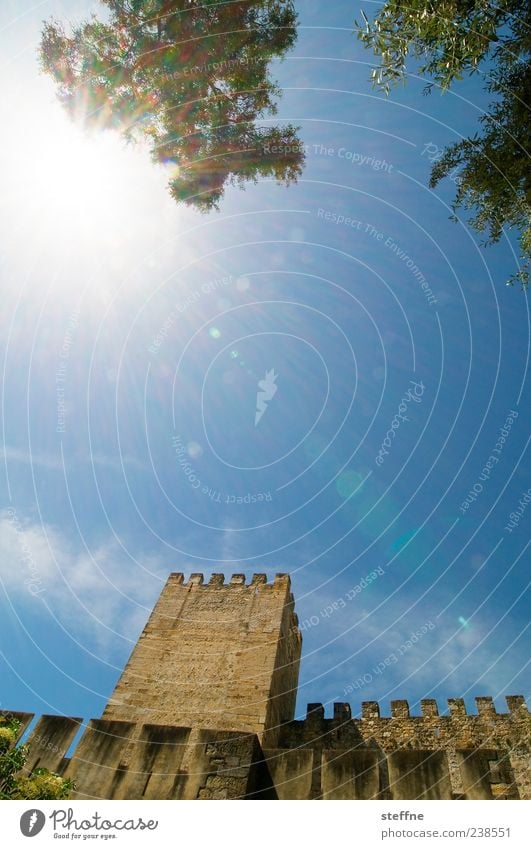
(217, 656)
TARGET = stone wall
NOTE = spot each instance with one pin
(125, 760)
(487, 753)
(459, 756)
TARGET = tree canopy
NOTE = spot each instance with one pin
(452, 38)
(189, 76)
(41, 784)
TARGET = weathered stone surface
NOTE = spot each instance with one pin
(486, 774)
(49, 742)
(291, 772)
(507, 733)
(415, 774)
(99, 763)
(215, 656)
(350, 775)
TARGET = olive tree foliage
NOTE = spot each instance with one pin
(450, 39)
(41, 784)
(190, 77)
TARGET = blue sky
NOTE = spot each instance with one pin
(133, 336)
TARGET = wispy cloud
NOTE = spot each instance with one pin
(117, 462)
(18, 455)
(55, 461)
(362, 651)
(101, 594)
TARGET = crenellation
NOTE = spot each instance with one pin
(399, 709)
(237, 580)
(175, 578)
(217, 579)
(370, 710)
(282, 580)
(315, 712)
(485, 705)
(516, 704)
(342, 711)
(457, 707)
(196, 579)
(259, 578)
(429, 707)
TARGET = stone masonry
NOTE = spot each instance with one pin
(218, 655)
(204, 709)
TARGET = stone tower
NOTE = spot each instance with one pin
(219, 656)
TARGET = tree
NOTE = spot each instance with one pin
(41, 784)
(189, 76)
(452, 38)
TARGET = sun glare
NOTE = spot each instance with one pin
(73, 171)
(67, 187)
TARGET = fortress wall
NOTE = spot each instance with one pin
(505, 737)
(478, 756)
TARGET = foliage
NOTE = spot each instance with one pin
(41, 784)
(189, 76)
(452, 38)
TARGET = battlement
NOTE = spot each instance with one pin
(280, 584)
(217, 580)
(429, 708)
(496, 743)
(431, 727)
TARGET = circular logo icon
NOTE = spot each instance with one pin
(32, 822)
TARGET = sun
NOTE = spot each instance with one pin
(65, 187)
(74, 171)
(63, 179)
